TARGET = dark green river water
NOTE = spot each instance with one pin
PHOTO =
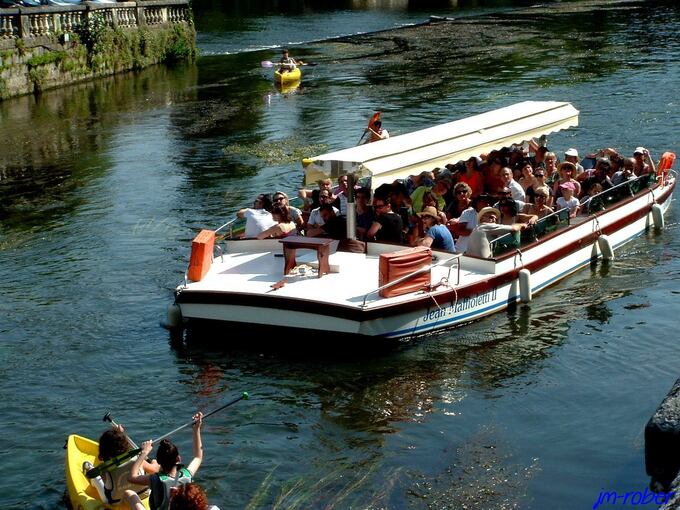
(104, 184)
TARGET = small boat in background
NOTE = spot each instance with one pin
(81, 494)
(289, 77)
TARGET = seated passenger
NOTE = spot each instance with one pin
(280, 198)
(568, 200)
(462, 225)
(527, 180)
(510, 212)
(571, 155)
(473, 175)
(364, 212)
(111, 485)
(540, 207)
(259, 218)
(340, 194)
(387, 225)
(284, 224)
(334, 226)
(315, 220)
(566, 172)
(439, 189)
(429, 200)
(644, 164)
(551, 168)
(626, 173)
(590, 205)
(310, 197)
(509, 182)
(479, 244)
(436, 236)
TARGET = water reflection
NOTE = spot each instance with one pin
(61, 139)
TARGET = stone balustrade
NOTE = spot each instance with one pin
(28, 22)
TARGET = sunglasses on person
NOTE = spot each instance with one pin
(539, 175)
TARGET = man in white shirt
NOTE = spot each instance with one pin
(515, 187)
(315, 220)
(259, 218)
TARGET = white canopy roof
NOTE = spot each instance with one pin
(404, 155)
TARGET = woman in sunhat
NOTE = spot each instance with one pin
(437, 236)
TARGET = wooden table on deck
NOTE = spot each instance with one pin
(320, 244)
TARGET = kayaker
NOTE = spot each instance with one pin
(377, 132)
(287, 62)
(111, 485)
(171, 475)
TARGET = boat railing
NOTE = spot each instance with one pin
(422, 270)
(229, 224)
(543, 227)
(560, 219)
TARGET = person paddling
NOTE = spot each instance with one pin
(287, 62)
(172, 473)
(112, 484)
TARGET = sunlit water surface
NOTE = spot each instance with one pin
(103, 185)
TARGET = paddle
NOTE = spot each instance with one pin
(107, 418)
(269, 63)
(120, 459)
(375, 117)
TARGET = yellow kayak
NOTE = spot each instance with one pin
(81, 494)
(287, 77)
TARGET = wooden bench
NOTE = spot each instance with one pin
(293, 243)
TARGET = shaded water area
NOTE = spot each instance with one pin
(103, 185)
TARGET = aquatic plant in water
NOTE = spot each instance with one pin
(287, 150)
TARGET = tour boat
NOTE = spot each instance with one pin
(387, 291)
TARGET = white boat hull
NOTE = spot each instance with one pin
(240, 292)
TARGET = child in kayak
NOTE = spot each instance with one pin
(172, 474)
(111, 485)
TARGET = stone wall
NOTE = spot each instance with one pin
(49, 46)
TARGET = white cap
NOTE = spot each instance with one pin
(640, 150)
(571, 152)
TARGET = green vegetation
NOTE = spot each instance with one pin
(287, 150)
(50, 57)
(99, 50)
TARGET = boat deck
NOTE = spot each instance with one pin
(352, 277)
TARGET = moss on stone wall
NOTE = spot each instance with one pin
(95, 51)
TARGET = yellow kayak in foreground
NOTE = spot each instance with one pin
(287, 77)
(81, 494)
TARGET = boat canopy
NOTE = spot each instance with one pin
(411, 153)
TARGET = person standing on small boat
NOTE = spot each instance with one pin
(287, 62)
(437, 236)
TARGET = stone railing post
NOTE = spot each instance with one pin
(141, 18)
(24, 26)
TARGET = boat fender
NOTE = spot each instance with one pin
(524, 285)
(174, 316)
(605, 247)
(657, 216)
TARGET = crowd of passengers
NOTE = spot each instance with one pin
(459, 208)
